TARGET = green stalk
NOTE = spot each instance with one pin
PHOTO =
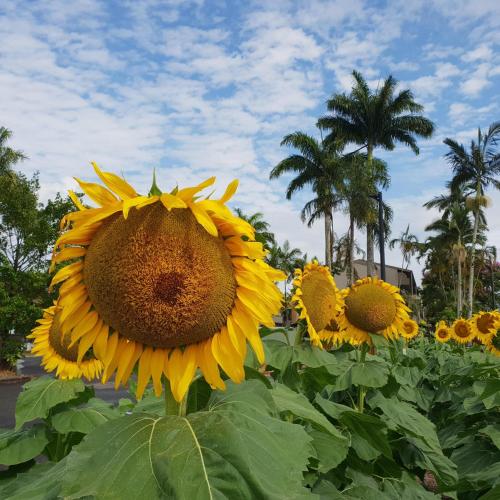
(362, 389)
(299, 336)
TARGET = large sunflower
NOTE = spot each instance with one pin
(442, 333)
(484, 325)
(318, 300)
(167, 282)
(56, 350)
(461, 331)
(373, 306)
(409, 329)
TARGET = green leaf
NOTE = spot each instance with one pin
(489, 392)
(493, 432)
(85, 419)
(368, 433)
(230, 451)
(42, 394)
(403, 418)
(41, 482)
(154, 190)
(407, 375)
(17, 447)
(370, 373)
(330, 452)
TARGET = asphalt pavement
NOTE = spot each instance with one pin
(30, 366)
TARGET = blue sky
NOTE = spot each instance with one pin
(200, 88)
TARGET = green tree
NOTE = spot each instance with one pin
(408, 244)
(262, 232)
(318, 166)
(372, 119)
(8, 156)
(477, 169)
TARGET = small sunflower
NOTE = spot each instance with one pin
(56, 350)
(461, 331)
(372, 306)
(442, 333)
(484, 325)
(410, 329)
(319, 301)
(493, 343)
(168, 282)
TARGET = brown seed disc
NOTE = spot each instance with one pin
(319, 298)
(370, 308)
(462, 330)
(442, 333)
(159, 278)
(61, 343)
(485, 322)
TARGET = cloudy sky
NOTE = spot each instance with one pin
(199, 88)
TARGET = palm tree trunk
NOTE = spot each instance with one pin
(471, 265)
(370, 260)
(459, 279)
(328, 240)
(350, 263)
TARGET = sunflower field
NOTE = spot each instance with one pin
(169, 295)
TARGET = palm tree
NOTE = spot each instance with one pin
(374, 119)
(477, 168)
(408, 244)
(358, 183)
(8, 156)
(286, 259)
(319, 166)
(262, 233)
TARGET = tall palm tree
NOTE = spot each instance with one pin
(262, 233)
(372, 119)
(286, 259)
(477, 168)
(319, 166)
(358, 183)
(408, 244)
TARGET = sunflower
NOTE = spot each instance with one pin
(493, 343)
(318, 300)
(168, 282)
(461, 331)
(484, 325)
(58, 353)
(410, 329)
(372, 306)
(442, 333)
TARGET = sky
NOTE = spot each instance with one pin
(196, 88)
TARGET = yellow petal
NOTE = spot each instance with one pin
(67, 253)
(132, 202)
(157, 363)
(170, 201)
(204, 219)
(187, 194)
(110, 349)
(126, 355)
(118, 185)
(132, 363)
(208, 365)
(182, 369)
(87, 340)
(250, 327)
(237, 337)
(227, 356)
(66, 272)
(230, 190)
(144, 373)
(75, 317)
(101, 342)
(97, 193)
(76, 201)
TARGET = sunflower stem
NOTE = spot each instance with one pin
(362, 389)
(171, 405)
(183, 405)
(299, 335)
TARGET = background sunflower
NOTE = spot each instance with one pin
(461, 331)
(442, 333)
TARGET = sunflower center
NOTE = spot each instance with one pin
(61, 344)
(462, 330)
(485, 323)
(370, 308)
(159, 278)
(442, 333)
(408, 327)
(319, 298)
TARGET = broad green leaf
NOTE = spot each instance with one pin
(493, 432)
(489, 392)
(330, 452)
(41, 482)
(42, 394)
(370, 373)
(368, 433)
(221, 453)
(20, 446)
(403, 418)
(407, 375)
(85, 419)
(278, 354)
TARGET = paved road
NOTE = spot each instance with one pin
(31, 366)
